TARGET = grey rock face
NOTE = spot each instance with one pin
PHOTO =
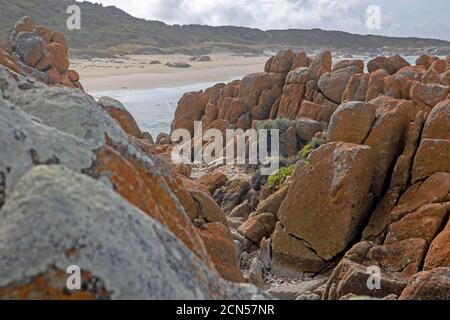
(26, 143)
(54, 211)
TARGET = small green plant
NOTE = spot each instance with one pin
(310, 147)
(279, 177)
(281, 124)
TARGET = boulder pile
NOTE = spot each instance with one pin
(375, 194)
(40, 53)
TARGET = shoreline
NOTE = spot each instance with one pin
(137, 72)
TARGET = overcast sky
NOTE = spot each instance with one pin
(421, 18)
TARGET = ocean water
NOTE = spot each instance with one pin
(153, 109)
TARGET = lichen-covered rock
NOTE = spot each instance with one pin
(400, 178)
(397, 263)
(258, 227)
(281, 62)
(435, 189)
(391, 65)
(66, 229)
(357, 87)
(118, 112)
(272, 204)
(30, 47)
(439, 253)
(213, 181)
(40, 53)
(144, 180)
(191, 108)
(253, 85)
(428, 94)
(338, 178)
(315, 111)
(428, 285)
(351, 122)
(334, 84)
(291, 255)
(321, 64)
(433, 153)
(235, 191)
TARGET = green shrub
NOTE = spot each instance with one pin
(281, 124)
(279, 177)
(310, 147)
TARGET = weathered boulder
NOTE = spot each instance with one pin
(376, 84)
(391, 65)
(428, 285)
(45, 33)
(321, 64)
(424, 223)
(93, 214)
(213, 181)
(178, 65)
(272, 204)
(334, 84)
(30, 47)
(281, 62)
(300, 60)
(347, 63)
(235, 190)
(338, 178)
(119, 113)
(356, 89)
(291, 256)
(426, 60)
(190, 108)
(397, 263)
(59, 53)
(39, 53)
(433, 153)
(400, 178)
(291, 100)
(265, 103)
(386, 139)
(435, 189)
(254, 84)
(435, 126)
(258, 227)
(314, 111)
(439, 253)
(144, 180)
(351, 122)
(428, 94)
(306, 128)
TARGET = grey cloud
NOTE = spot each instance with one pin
(399, 17)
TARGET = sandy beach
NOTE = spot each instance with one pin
(137, 72)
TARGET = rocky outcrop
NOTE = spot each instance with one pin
(86, 139)
(62, 226)
(39, 52)
(370, 190)
(382, 176)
